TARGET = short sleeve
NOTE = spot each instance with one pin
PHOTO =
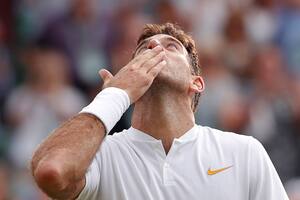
(264, 180)
(92, 181)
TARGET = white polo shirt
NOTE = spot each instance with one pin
(204, 163)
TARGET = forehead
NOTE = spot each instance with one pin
(160, 38)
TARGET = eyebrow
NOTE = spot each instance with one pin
(175, 40)
(167, 38)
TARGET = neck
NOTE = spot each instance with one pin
(163, 115)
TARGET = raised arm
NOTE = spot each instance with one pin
(60, 163)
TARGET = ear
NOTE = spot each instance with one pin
(196, 85)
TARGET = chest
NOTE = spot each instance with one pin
(182, 174)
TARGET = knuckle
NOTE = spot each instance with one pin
(147, 81)
(132, 68)
(144, 79)
(153, 73)
(150, 63)
(140, 73)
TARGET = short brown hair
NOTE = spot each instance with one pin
(175, 31)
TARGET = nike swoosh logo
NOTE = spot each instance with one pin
(215, 171)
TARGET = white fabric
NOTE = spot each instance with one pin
(109, 106)
(132, 165)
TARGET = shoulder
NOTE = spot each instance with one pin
(224, 136)
(226, 141)
(116, 140)
(112, 147)
(118, 136)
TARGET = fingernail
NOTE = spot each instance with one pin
(163, 62)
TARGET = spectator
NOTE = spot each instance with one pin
(47, 98)
(34, 15)
(288, 36)
(260, 21)
(81, 33)
(270, 113)
(221, 89)
(238, 50)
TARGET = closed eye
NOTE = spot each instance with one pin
(172, 46)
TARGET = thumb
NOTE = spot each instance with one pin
(105, 75)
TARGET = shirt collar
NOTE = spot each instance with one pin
(141, 136)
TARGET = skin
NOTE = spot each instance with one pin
(163, 88)
(170, 94)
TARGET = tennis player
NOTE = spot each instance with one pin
(164, 154)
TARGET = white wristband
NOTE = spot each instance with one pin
(109, 106)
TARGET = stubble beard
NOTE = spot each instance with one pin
(165, 83)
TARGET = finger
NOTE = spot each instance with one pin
(157, 68)
(105, 75)
(153, 61)
(148, 54)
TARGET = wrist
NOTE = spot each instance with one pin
(108, 106)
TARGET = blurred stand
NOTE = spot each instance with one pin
(292, 188)
(41, 103)
(288, 36)
(81, 32)
(51, 51)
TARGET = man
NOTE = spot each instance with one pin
(164, 155)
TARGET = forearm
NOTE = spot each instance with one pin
(60, 163)
(63, 158)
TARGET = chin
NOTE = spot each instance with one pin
(162, 76)
(166, 81)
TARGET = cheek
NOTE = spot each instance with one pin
(180, 63)
(178, 69)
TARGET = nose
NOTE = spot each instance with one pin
(153, 43)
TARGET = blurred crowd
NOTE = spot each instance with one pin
(51, 51)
